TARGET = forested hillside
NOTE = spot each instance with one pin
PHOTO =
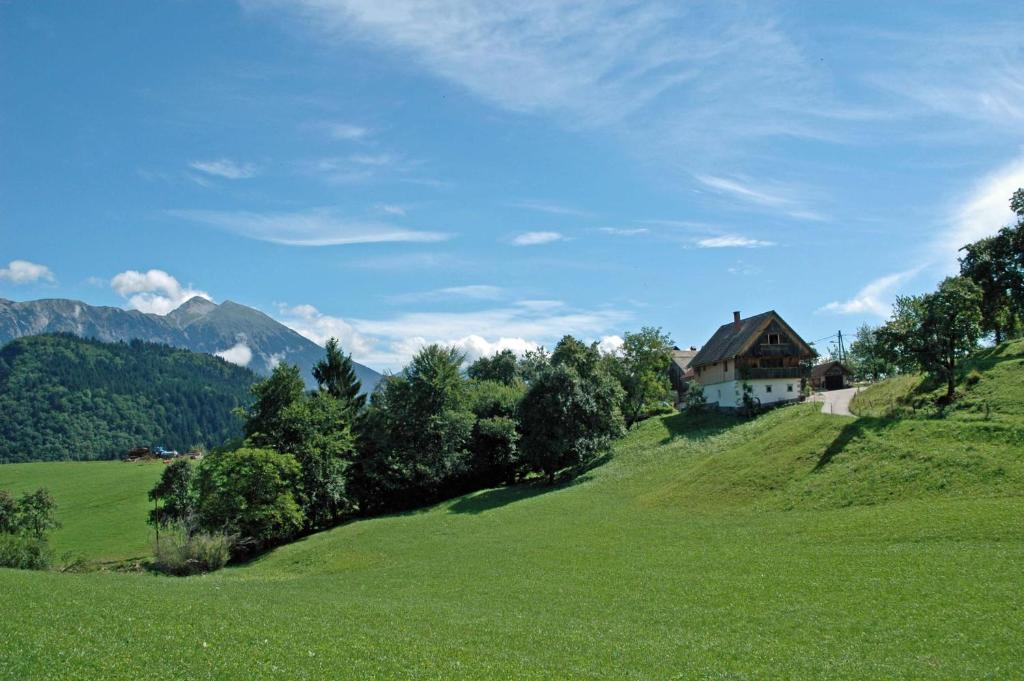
(63, 397)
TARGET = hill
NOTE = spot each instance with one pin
(199, 325)
(63, 397)
(796, 545)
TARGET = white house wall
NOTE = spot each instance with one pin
(730, 393)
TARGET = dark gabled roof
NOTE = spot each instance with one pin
(818, 370)
(729, 341)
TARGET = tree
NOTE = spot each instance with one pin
(250, 493)
(868, 356)
(174, 489)
(496, 456)
(937, 330)
(532, 364)
(264, 424)
(502, 367)
(336, 375)
(415, 437)
(36, 513)
(8, 513)
(571, 411)
(989, 263)
(317, 430)
(643, 372)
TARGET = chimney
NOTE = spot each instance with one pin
(736, 324)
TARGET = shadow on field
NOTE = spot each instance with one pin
(859, 428)
(699, 426)
(503, 496)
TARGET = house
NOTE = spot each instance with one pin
(831, 376)
(761, 354)
(679, 372)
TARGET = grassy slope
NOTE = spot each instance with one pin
(702, 550)
(101, 504)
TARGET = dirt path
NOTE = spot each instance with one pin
(835, 401)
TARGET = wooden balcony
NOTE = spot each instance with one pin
(772, 372)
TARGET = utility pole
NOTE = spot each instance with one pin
(842, 350)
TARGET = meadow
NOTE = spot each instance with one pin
(796, 545)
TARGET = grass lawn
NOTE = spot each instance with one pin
(102, 505)
(703, 549)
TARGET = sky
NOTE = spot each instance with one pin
(495, 175)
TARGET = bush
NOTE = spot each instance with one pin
(694, 399)
(972, 378)
(179, 552)
(24, 552)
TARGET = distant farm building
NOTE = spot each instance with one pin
(762, 354)
(679, 372)
(831, 376)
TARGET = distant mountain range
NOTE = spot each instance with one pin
(199, 325)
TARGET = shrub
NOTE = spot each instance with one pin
(24, 552)
(694, 399)
(972, 378)
(179, 552)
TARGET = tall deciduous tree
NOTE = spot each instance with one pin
(937, 330)
(336, 375)
(173, 495)
(867, 355)
(643, 372)
(502, 367)
(571, 411)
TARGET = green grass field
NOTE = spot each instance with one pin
(798, 545)
(101, 505)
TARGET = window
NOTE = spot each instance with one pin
(767, 388)
(789, 388)
(726, 366)
(773, 339)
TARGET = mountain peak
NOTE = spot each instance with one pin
(192, 309)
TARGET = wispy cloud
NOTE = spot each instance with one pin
(537, 238)
(468, 292)
(347, 131)
(392, 209)
(552, 208)
(876, 298)
(154, 291)
(225, 168)
(25, 272)
(620, 231)
(733, 241)
(239, 353)
(775, 198)
(311, 228)
(980, 213)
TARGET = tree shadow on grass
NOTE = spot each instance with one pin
(697, 426)
(850, 432)
(487, 500)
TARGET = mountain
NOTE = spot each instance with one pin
(199, 325)
(64, 397)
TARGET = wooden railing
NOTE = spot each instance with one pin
(772, 372)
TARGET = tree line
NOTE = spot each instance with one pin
(935, 331)
(311, 459)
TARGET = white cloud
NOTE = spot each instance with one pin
(347, 131)
(391, 209)
(732, 241)
(225, 168)
(618, 231)
(25, 272)
(980, 213)
(610, 345)
(155, 291)
(468, 292)
(776, 198)
(318, 327)
(537, 238)
(552, 208)
(391, 342)
(876, 298)
(239, 354)
(310, 228)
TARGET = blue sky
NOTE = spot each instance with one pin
(496, 174)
